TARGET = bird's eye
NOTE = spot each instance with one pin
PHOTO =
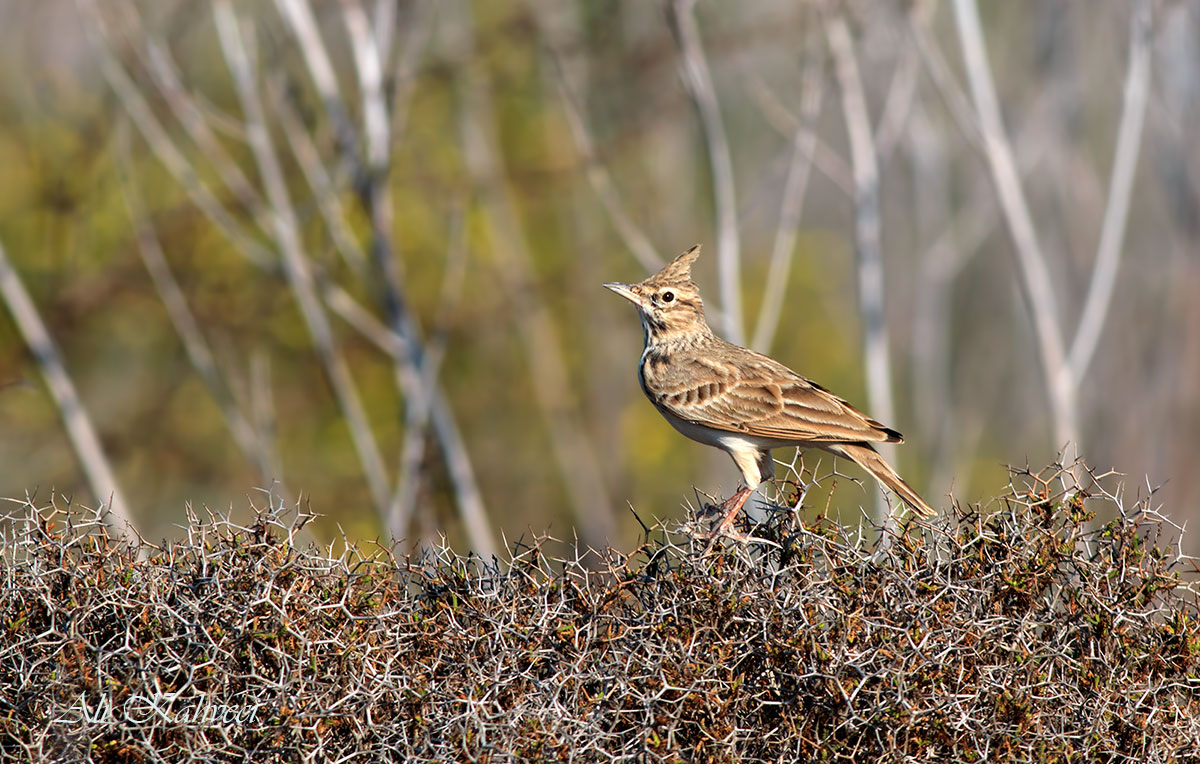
(668, 296)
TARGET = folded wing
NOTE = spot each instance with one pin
(763, 398)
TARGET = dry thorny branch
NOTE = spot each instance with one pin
(1011, 632)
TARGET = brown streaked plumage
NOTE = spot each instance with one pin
(741, 401)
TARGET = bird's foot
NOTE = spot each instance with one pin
(730, 507)
(742, 538)
(727, 533)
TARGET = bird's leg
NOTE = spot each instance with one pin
(731, 507)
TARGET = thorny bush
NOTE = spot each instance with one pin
(1024, 630)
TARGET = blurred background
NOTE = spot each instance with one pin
(352, 250)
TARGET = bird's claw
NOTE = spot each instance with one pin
(741, 538)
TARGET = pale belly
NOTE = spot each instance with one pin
(728, 441)
(751, 454)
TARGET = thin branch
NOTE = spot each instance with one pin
(947, 87)
(867, 227)
(249, 440)
(468, 497)
(371, 183)
(932, 378)
(898, 105)
(363, 321)
(165, 149)
(950, 251)
(383, 27)
(369, 64)
(704, 96)
(88, 449)
(1125, 159)
(374, 193)
(262, 410)
(157, 61)
(570, 445)
(823, 156)
(804, 143)
(418, 412)
(324, 188)
(296, 267)
(166, 77)
(370, 179)
(631, 235)
(300, 18)
(420, 31)
(1036, 282)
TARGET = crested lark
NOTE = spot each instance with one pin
(741, 401)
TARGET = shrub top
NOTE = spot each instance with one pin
(1026, 631)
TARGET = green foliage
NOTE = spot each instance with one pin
(1019, 633)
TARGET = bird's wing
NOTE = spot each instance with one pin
(754, 395)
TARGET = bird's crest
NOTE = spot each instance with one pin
(678, 271)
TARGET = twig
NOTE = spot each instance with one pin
(370, 172)
(467, 495)
(383, 27)
(371, 183)
(417, 383)
(1112, 232)
(1036, 281)
(938, 266)
(948, 90)
(363, 321)
(262, 409)
(931, 372)
(369, 65)
(86, 443)
(166, 77)
(700, 87)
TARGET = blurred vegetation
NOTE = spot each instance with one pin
(969, 397)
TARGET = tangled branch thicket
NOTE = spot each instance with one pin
(1026, 630)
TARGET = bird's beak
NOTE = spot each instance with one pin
(625, 290)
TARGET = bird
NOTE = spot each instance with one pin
(741, 401)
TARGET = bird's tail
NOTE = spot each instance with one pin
(869, 459)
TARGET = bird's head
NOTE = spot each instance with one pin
(669, 301)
